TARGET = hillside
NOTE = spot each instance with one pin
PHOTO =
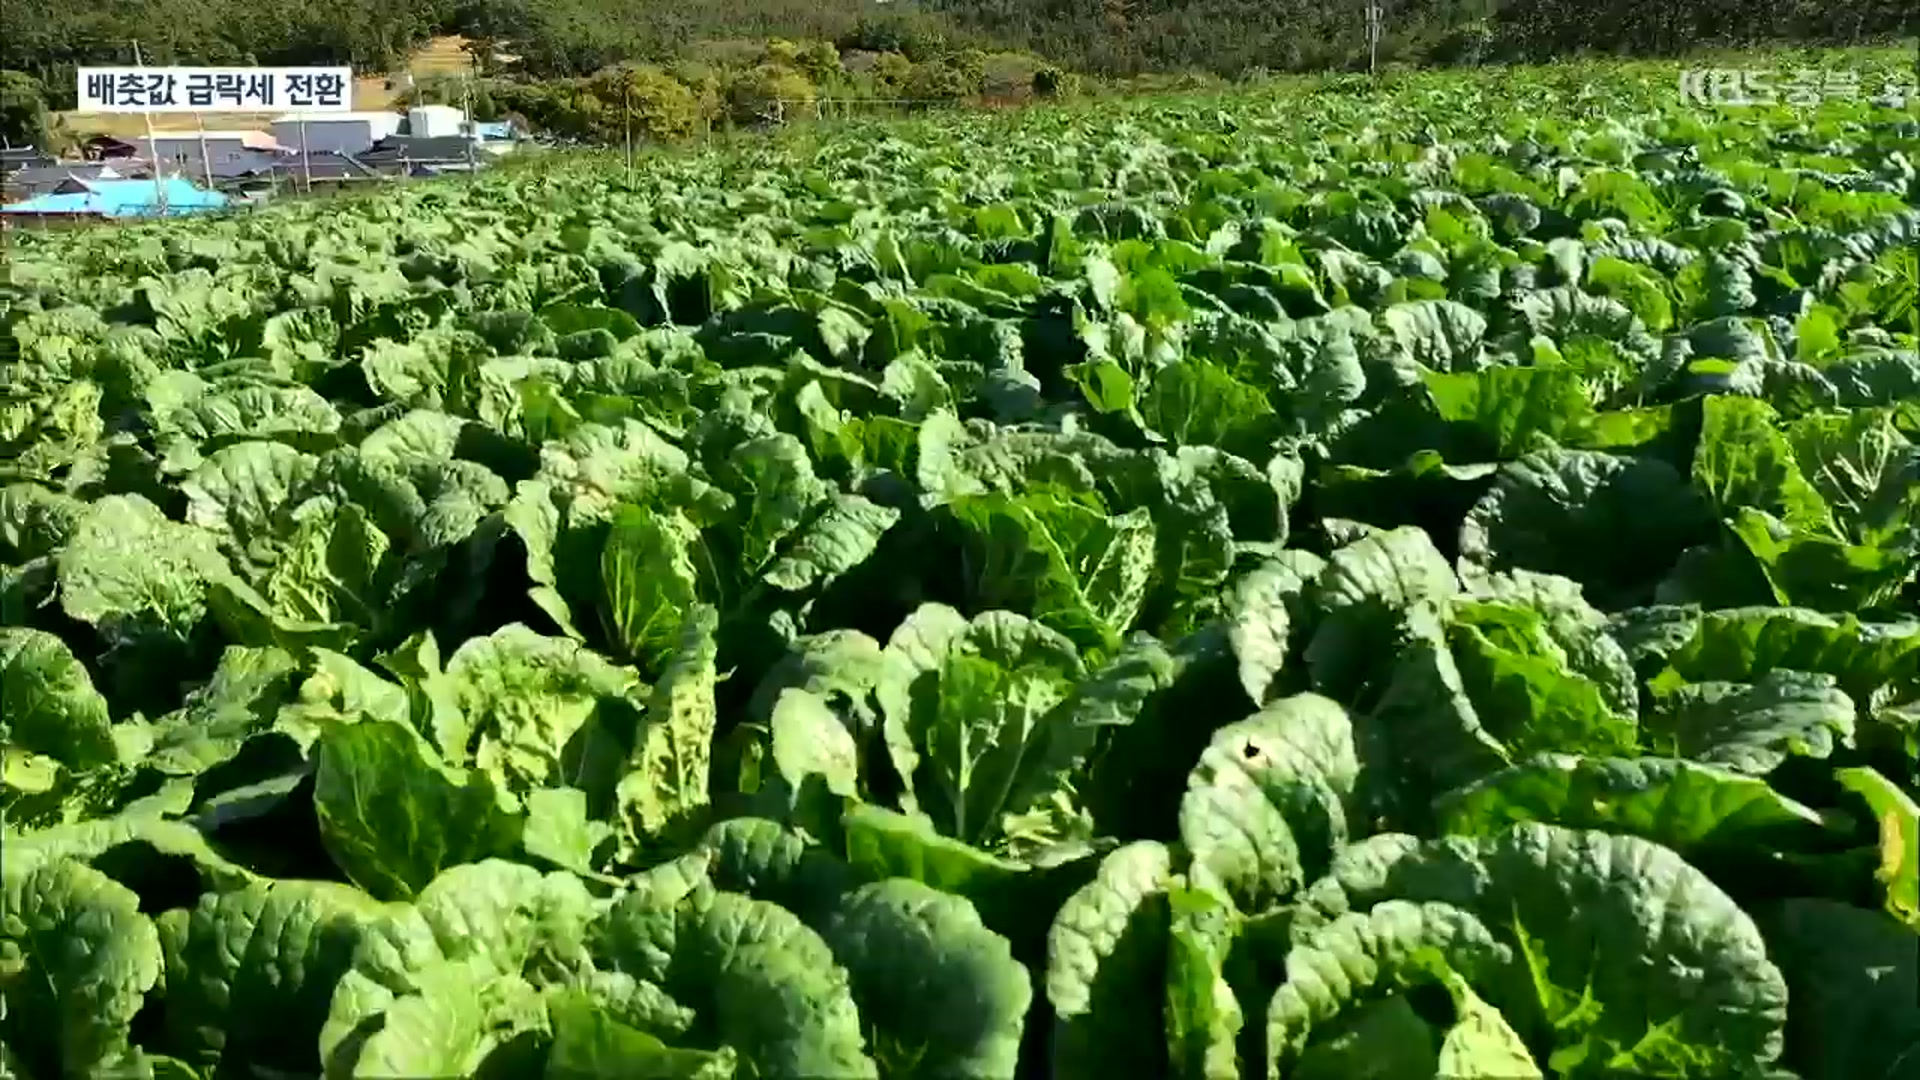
(721, 47)
(47, 38)
(1233, 36)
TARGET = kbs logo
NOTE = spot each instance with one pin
(1805, 88)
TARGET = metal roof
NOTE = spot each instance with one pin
(124, 198)
(196, 133)
(15, 156)
(397, 148)
(251, 163)
(252, 139)
(57, 172)
(339, 117)
(324, 165)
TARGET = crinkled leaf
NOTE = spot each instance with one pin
(936, 989)
(664, 794)
(1362, 598)
(1364, 957)
(528, 698)
(1614, 524)
(1578, 986)
(764, 983)
(1262, 617)
(650, 580)
(1682, 804)
(1266, 807)
(1106, 967)
(48, 702)
(1078, 570)
(76, 961)
(126, 563)
(1753, 727)
(392, 817)
(962, 729)
(250, 973)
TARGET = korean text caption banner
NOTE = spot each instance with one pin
(215, 89)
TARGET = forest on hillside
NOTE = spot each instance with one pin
(1230, 37)
(47, 39)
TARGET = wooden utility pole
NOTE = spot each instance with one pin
(472, 132)
(1376, 24)
(153, 146)
(206, 157)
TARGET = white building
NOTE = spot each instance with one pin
(205, 147)
(435, 121)
(335, 132)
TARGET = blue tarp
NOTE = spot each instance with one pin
(125, 198)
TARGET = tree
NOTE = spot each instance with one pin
(23, 110)
(821, 63)
(938, 83)
(891, 71)
(875, 35)
(972, 66)
(658, 106)
(769, 94)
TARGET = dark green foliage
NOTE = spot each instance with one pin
(561, 38)
(23, 110)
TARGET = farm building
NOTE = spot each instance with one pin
(15, 158)
(237, 166)
(339, 133)
(194, 149)
(322, 167)
(424, 157)
(434, 121)
(119, 199)
(62, 177)
(316, 171)
(413, 148)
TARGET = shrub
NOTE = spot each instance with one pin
(892, 70)
(938, 82)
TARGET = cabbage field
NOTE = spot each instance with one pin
(1315, 582)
